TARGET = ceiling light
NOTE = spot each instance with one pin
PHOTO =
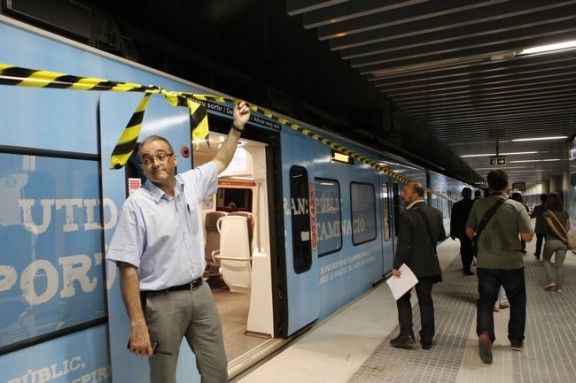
(539, 138)
(501, 154)
(549, 48)
(546, 160)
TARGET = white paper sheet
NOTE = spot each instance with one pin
(400, 285)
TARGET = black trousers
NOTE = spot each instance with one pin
(424, 293)
(466, 253)
(489, 282)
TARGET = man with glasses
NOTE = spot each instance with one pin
(159, 248)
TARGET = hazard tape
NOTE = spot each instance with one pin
(12, 75)
(18, 76)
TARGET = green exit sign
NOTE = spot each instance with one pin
(498, 161)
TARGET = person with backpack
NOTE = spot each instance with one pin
(497, 224)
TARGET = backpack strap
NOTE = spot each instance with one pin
(487, 216)
(558, 221)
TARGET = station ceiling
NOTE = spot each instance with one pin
(462, 69)
(440, 79)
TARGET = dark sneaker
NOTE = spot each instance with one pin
(406, 342)
(468, 272)
(426, 345)
(398, 338)
(485, 348)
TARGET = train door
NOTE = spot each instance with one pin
(238, 252)
(386, 216)
(302, 273)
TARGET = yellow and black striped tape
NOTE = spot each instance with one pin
(12, 75)
(18, 76)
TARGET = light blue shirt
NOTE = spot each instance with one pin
(162, 235)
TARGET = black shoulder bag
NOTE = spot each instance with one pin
(483, 222)
(421, 213)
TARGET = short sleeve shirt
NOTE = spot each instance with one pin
(499, 243)
(162, 235)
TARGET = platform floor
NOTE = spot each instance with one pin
(353, 344)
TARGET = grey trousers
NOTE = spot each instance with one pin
(192, 315)
(554, 272)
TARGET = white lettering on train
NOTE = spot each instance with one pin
(59, 370)
(299, 206)
(68, 206)
(74, 268)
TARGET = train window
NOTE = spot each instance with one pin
(299, 201)
(363, 204)
(386, 211)
(328, 216)
(51, 269)
(234, 199)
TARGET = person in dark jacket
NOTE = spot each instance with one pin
(459, 216)
(420, 229)
(517, 196)
(540, 227)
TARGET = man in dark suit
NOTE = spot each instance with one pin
(420, 229)
(460, 212)
(540, 227)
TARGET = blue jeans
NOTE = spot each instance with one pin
(489, 282)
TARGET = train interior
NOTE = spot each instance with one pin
(237, 252)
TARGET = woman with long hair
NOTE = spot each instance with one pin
(558, 223)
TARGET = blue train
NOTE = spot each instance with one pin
(296, 230)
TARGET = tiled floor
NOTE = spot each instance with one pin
(352, 345)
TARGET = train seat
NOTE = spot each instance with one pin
(234, 253)
(249, 222)
(212, 242)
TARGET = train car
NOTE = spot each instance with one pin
(295, 231)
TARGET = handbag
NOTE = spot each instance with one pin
(570, 238)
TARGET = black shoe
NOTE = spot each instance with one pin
(485, 348)
(426, 345)
(406, 342)
(468, 272)
(399, 337)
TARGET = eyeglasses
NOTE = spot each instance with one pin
(159, 156)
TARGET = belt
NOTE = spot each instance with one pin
(187, 286)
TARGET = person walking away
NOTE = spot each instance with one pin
(540, 227)
(458, 218)
(499, 261)
(158, 246)
(558, 223)
(517, 196)
(420, 229)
